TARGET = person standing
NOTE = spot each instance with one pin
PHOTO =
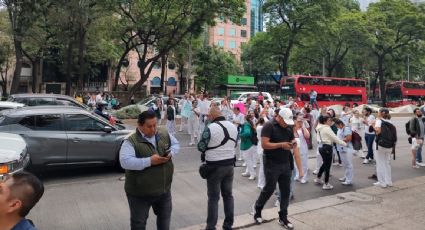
(313, 99)
(238, 120)
(277, 140)
(186, 107)
(261, 178)
(345, 134)
(218, 150)
(326, 137)
(171, 117)
(203, 105)
(193, 122)
(303, 135)
(157, 109)
(386, 134)
(369, 135)
(417, 129)
(146, 155)
(248, 147)
(226, 110)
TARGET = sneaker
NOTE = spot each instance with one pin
(303, 181)
(318, 181)
(245, 174)
(251, 178)
(373, 177)
(257, 215)
(327, 186)
(315, 172)
(415, 166)
(346, 183)
(342, 179)
(244, 165)
(240, 159)
(379, 184)
(363, 157)
(190, 144)
(255, 166)
(284, 222)
(277, 203)
(335, 164)
(340, 164)
(420, 164)
(366, 161)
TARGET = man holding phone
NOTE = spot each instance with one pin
(277, 140)
(146, 156)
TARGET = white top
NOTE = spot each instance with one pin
(370, 120)
(303, 142)
(239, 118)
(355, 123)
(345, 117)
(378, 122)
(341, 134)
(204, 106)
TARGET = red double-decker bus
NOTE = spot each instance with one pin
(330, 90)
(404, 93)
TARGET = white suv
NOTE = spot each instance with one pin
(13, 153)
(242, 96)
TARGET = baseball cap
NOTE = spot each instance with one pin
(287, 116)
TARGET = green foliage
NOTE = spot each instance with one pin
(212, 67)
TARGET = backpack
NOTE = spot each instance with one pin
(254, 138)
(388, 136)
(408, 127)
(356, 140)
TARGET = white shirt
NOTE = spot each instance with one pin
(204, 106)
(345, 117)
(303, 142)
(370, 121)
(355, 123)
(239, 118)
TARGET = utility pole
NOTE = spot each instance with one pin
(408, 67)
(323, 67)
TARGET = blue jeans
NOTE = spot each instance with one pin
(369, 138)
(220, 180)
(313, 103)
(419, 154)
(139, 210)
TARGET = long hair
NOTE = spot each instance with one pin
(260, 121)
(248, 118)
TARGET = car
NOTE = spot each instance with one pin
(60, 136)
(39, 99)
(10, 105)
(242, 96)
(151, 100)
(13, 153)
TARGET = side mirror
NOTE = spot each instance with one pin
(107, 129)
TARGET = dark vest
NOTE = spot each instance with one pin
(154, 180)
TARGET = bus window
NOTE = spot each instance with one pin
(305, 97)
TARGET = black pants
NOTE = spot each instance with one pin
(326, 153)
(139, 210)
(275, 172)
(220, 181)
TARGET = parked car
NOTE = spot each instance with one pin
(10, 105)
(64, 136)
(151, 100)
(39, 99)
(242, 96)
(13, 154)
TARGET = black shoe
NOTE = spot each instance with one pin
(373, 177)
(257, 215)
(284, 222)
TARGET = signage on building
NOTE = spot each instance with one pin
(240, 80)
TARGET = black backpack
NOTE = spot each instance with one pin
(254, 138)
(388, 136)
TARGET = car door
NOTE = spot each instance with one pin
(46, 138)
(87, 140)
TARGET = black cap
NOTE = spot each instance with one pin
(384, 110)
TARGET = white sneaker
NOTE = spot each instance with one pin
(346, 183)
(190, 144)
(277, 203)
(318, 181)
(379, 184)
(342, 179)
(366, 161)
(335, 164)
(245, 174)
(327, 186)
(420, 164)
(251, 178)
(244, 165)
(315, 172)
(416, 166)
(303, 181)
(255, 166)
(240, 158)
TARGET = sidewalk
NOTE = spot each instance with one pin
(399, 207)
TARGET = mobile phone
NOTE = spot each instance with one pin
(167, 152)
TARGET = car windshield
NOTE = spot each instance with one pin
(235, 96)
(144, 101)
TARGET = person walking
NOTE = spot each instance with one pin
(313, 99)
(185, 108)
(193, 122)
(171, 117)
(386, 142)
(217, 145)
(248, 148)
(204, 105)
(277, 140)
(417, 130)
(301, 133)
(345, 134)
(326, 137)
(146, 155)
(261, 178)
(238, 120)
(369, 135)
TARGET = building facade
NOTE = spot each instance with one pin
(257, 18)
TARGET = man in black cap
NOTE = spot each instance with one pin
(146, 156)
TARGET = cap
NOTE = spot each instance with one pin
(287, 116)
(384, 110)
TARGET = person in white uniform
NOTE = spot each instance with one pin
(238, 120)
(203, 105)
(346, 152)
(193, 122)
(186, 107)
(261, 178)
(301, 133)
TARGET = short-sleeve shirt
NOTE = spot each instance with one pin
(277, 134)
(370, 120)
(342, 133)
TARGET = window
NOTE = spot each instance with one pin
(243, 33)
(243, 21)
(220, 43)
(232, 32)
(61, 101)
(171, 65)
(50, 122)
(220, 31)
(157, 65)
(232, 44)
(80, 122)
(28, 122)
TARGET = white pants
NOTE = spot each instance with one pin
(383, 165)
(193, 129)
(304, 165)
(201, 124)
(319, 160)
(248, 155)
(347, 163)
(171, 127)
(238, 150)
(261, 177)
(183, 123)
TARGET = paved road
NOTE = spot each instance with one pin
(94, 198)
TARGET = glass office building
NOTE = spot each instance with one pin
(256, 16)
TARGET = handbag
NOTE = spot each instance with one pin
(205, 170)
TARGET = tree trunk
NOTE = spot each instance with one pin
(35, 69)
(18, 66)
(118, 70)
(379, 73)
(163, 69)
(81, 61)
(382, 89)
(68, 68)
(182, 82)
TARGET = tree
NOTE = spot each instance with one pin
(163, 24)
(395, 24)
(6, 51)
(213, 65)
(290, 18)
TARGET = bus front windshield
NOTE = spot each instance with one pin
(394, 93)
